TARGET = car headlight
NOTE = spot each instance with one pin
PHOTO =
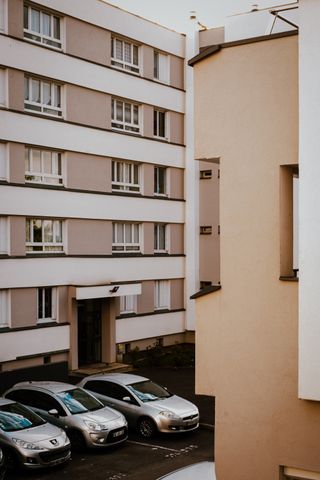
(97, 427)
(168, 414)
(26, 445)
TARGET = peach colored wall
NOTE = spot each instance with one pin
(148, 238)
(88, 172)
(24, 307)
(176, 71)
(16, 162)
(145, 301)
(17, 235)
(147, 121)
(88, 107)
(247, 332)
(89, 237)
(88, 41)
(212, 36)
(176, 182)
(176, 293)
(176, 240)
(16, 89)
(176, 124)
(63, 304)
(148, 179)
(146, 59)
(15, 18)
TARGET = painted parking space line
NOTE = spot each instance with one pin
(153, 446)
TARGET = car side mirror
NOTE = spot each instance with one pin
(127, 399)
(54, 412)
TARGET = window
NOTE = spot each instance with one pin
(42, 96)
(4, 308)
(46, 304)
(128, 304)
(125, 237)
(204, 174)
(4, 235)
(161, 295)
(160, 67)
(3, 86)
(206, 230)
(125, 116)
(42, 27)
(43, 166)
(159, 124)
(160, 180)
(44, 236)
(125, 176)
(124, 55)
(3, 162)
(160, 238)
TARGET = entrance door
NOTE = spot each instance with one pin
(89, 331)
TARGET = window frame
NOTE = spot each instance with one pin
(156, 184)
(29, 34)
(160, 67)
(123, 125)
(40, 107)
(157, 238)
(53, 303)
(157, 129)
(5, 308)
(46, 247)
(41, 174)
(128, 304)
(125, 246)
(161, 299)
(125, 186)
(121, 63)
(4, 235)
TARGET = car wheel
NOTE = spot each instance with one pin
(76, 439)
(146, 427)
(11, 459)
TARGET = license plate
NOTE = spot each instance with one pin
(119, 433)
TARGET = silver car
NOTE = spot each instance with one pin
(202, 470)
(86, 420)
(27, 440)
(147, 406)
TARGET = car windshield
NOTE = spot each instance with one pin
(14, 417)
(147, 391)
(79, 401)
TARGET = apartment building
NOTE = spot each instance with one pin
(257, 332)
(92, 184)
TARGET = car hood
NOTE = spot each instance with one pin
(41, 434)
(103, 415)
(174, 404)
(203, 470)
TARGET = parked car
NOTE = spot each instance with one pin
(201, 470)
(86, 420)
(147, 406)
(27, 440)
(2, 466)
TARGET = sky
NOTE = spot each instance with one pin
(175, 13)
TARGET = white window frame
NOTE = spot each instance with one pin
(157, 238)
(4, 163)
(121, 124)
(162, 295)
(39, 37)
(128, 304)
(161, 67)
(34, 176)
(125, 246)
(121, 174)
(54, 301)
(44, 247)
(156, 183)
(295, 208)
(3, 16)
(41, 108)
(156, 124)
(5, 308)
(120, 61)
(4, 236)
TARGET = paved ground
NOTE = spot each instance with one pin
(143, 459)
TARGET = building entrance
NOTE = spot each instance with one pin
(89, 331)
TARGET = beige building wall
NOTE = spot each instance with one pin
(247, 332)
(147, 179)
(89, 237)
(23, 307)
(176, 183)
(176, 238)
(145, 301)
(88, 107)
(146, 60)
(16, 162)
(16, 89)
(88, 172)
(176, 71)
(176, 293)
(147, 230)
(147, 120)
(17, 236)
(176, 125)
(15, 18)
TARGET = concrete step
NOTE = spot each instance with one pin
(100, 368)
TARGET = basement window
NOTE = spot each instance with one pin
(205, 174)
(206, 230)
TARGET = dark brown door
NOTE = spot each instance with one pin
(89, 331)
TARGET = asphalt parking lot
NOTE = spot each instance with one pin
(138, 458)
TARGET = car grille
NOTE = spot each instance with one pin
(114, 436)
(57, 454)
(190, 417)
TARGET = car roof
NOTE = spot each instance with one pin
(53, 387)
(122, 378)
(5, 401)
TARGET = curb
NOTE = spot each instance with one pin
(206, 426)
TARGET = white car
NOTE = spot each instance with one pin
(201, 471)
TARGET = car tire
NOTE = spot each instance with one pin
(11, 459)
(146, 427)
(77, 440)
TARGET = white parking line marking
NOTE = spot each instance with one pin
(153, 446)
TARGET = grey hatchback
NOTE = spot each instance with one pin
(87, 421)
(147, 406)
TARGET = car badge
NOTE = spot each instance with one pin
(54, 442)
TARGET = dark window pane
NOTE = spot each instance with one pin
(48, 302)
